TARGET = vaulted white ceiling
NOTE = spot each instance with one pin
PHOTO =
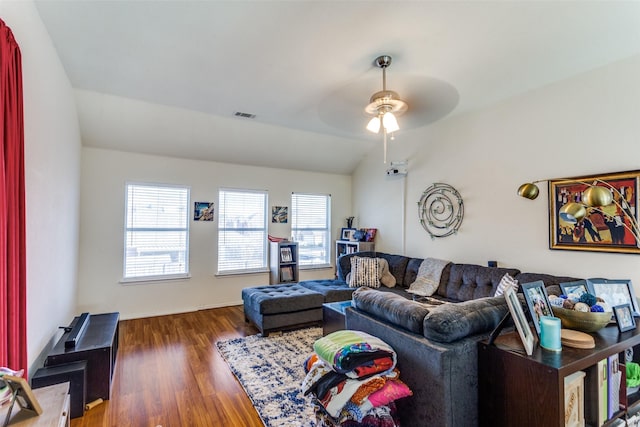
(166, 77)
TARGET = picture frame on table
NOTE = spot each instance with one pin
(614, 292)
(520, 320)
(538, 302)
(577, 288)
(347, 234)
(624, 317)
(23, 393)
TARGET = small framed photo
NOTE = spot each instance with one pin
(347, 234)
(624, 317)
(538, 301)
(576, 288)
(614, 292)
(24, 396)
(519, 318)
(203, 211)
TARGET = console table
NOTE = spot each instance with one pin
(519, 390)
(98, 346)
(54, 401)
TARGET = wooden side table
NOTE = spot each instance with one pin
(333, 316)
(54, 401)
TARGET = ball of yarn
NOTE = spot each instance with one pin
(588, 299)
(580, 306)
(568, 304)
(597, 308)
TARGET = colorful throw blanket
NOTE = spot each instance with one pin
(355, 353)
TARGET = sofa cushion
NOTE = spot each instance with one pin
(469, 281)
(365, 271)
(552, 283)
(397, 264)
(451, 322)
(391, 307)
(332, 290)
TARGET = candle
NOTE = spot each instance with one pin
(550, 333)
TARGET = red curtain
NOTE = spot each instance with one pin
(13, 286)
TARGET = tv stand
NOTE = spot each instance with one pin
(98, 345)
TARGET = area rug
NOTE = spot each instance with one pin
(271, 371)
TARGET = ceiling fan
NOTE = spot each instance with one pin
(384, 106)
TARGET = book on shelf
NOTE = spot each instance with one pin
(286, 274)
(613, 378)
(603, 394)
(285, 254)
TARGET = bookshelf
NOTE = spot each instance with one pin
(283, 262)
(519, 390)
(344, 247)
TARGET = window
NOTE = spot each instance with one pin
(310, 225)
(242, 231)
(156, 232)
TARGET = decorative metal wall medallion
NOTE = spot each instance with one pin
(440, 210)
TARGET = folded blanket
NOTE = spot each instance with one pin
(337, 397)
(320, 377)
(428, 278)
(355, 353)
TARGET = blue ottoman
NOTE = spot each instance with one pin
(278, 307)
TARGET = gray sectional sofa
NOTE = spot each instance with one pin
(436, 344)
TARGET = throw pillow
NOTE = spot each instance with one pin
(386, 278)
(505, 283)
(365, 271)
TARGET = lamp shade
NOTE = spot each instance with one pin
(596, 196)
(573, 212)
(528, 191)
(374, 125)
(389, 122)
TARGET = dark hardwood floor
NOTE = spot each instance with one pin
(169, 373)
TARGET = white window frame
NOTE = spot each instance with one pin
(155, 277)
(222, 216)
(295, 230)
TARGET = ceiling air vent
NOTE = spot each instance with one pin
(244, 115)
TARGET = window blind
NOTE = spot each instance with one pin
(242, 230)
(310, 226)
(156, 231)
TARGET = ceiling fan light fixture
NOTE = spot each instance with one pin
(374, 125)
(389, 122)
(384, 105)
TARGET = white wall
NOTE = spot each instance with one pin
(104, 174)
(52, 169)
(583, 125)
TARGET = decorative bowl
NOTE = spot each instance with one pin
(582, 321)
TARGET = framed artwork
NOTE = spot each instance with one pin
(280, 214)
(624, 318)
(614, 292)
(203, 211)
(604, 228)
(23, 394)
(538, 302)
(519, 318)
(577, 288)
(347, 234)
(370, 234)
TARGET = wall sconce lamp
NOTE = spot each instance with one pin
(597, 195)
